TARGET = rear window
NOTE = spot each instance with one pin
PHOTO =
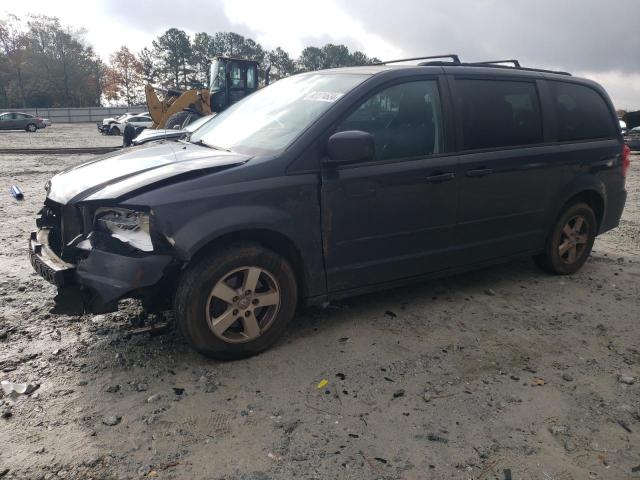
(582, 113)
(498, 113)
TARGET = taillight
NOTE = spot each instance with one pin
(626, 159)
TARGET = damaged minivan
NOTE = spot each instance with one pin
(334, 183)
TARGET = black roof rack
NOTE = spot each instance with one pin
(516, 63)
(452, 56)
(455, 61)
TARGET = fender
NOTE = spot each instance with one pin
(215, 223)
(585, 182)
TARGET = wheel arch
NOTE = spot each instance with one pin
(273, 240)
(588, 189)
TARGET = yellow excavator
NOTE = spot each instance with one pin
(230, 80)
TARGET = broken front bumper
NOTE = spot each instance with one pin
(97, 282)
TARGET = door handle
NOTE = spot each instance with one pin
(440, 177)
(480, 172)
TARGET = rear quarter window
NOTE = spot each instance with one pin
(581, 112)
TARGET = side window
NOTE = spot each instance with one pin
(582, 113)
(405, 120)
(235, 76)
(497, 113)
(251, 77)
(19, 116)
(5, 117)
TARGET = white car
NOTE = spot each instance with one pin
(105, 125)
(140, 122)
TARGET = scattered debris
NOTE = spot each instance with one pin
(538, 382)
(111, 420)
(567, 378)
(390, 314)
(341, 376)
(154, 398)
(490, 292)
(507, 474)
(381, 460)
(16, 192)
(624, 425)
(178, 390)
(626, 379)
(433, 437)
(323, 383)
(274, 456)
(15, 389)
(398, 393)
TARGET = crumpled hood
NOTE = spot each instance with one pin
(116, 174)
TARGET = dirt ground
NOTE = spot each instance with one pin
(504, 373)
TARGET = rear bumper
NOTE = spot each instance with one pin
(98, 281)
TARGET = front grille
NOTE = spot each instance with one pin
(64, 225)
(51, 218)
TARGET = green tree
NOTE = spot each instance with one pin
(63, 71)
(149, 67)
(172, 51)
(311, 58)
(281, 63)
(13, 44)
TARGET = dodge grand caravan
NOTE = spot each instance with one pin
(333, 183)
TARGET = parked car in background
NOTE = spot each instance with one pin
(21, 121)
(632, 138)
(623, 126)
(187, 129)
(105, 125)
(139, 122)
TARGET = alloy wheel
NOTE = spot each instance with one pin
(243, 304)
(574, 238)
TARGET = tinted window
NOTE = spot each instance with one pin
(405, 120)
(498, 113)
(582, 113)
(235, 76)
(251, 77)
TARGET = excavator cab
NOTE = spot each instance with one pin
(230, 80)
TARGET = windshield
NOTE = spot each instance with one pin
(268, 120)
(196, 124)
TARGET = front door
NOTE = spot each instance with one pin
(392, 217)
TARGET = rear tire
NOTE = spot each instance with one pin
(32, 127)
(570, 241)
(235, 302)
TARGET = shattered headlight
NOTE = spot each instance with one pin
(126, 225)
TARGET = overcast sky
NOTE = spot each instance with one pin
(599, 39)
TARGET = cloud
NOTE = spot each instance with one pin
(591, 38)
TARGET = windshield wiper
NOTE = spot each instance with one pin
(205, 144)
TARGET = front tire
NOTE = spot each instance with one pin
(114, 131)
(236, 302)
(570, 241)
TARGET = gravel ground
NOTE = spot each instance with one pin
(497, 374)
(63, 135)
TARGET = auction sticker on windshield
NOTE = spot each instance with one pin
(323, 96)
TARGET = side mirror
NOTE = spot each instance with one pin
(350, 146)
(177, 127)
